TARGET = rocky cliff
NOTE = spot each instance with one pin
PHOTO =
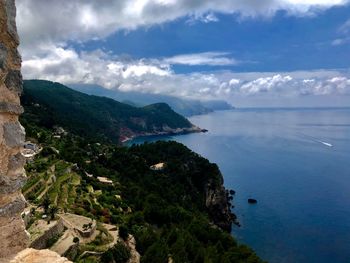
(13, 237)
(218, 205)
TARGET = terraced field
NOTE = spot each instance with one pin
(58, 181)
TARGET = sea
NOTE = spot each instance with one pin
(296, 164)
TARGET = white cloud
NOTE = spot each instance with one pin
(206, 58)
(344, 33)
(266, 84)
(154, 76)
(47, 26)
(345, 28)
(52, 21)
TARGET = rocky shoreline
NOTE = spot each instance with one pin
(217, 197)
(219, 206)
(166, 131)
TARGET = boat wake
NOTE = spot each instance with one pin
(326, 143)
(316, 140)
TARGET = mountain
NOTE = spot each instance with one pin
(93, 116)
(184, 107)
(179, 212)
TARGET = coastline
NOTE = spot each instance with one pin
(166, 132)
(218, 200)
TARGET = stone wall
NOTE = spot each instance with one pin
(41, 242)
(13, 237)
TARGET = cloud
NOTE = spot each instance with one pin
(340, 41)
(267, 84)
(155, 76)
(52, 21)
(345, 28)
(344, 32)
(203, 18)
(206, 58)
(48, 28)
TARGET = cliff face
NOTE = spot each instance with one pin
(218, 205)
(13, 237)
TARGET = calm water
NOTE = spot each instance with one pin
(283, 159)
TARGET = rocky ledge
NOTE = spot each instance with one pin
(128, 135)
(218, 205)
(30, 255)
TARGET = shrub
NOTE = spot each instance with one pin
(121, 253)
(123, 232)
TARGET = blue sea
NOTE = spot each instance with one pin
(296, 163)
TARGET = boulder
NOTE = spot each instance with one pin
(252, 201)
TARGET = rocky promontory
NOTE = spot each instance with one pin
(128, 135)
(218, 205)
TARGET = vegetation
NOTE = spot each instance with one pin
(164, 210)
(48, 104)
(118, 254)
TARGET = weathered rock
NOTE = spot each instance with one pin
(16, 58)
(39, 256)
(134, 255)
(218, 206)
(11, 108)
(252, 201)
(16, 161)
(11, 19)
(11, 184)
(14, 134)
(13, 208)
(3, 56)
(13, 237)
(14, 81)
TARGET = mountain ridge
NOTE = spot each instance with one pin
(186, 107)
(99, 116)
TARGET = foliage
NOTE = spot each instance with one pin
(53, 211)
(51, 241)
(46, 204)
(123, 232)
(50, 104)
(164, 210)
(119, 254)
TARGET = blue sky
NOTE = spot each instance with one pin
(280, 43)
(251, 53)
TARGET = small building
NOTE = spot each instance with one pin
(60, 131)
(88, 175)
(157, 167)
(104, 180)
(31, 146)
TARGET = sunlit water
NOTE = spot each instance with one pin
(296, 163)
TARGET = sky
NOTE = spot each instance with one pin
(251, 53)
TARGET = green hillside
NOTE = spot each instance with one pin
(94, 116)
(171, 212)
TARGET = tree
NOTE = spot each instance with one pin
(53, 210)
(123, 232)
(46, 204)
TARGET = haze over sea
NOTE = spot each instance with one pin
(296, 163)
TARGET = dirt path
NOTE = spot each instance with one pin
(64, 243)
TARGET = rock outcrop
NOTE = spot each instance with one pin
(13, 237)
(218, 205)
(38, 256)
